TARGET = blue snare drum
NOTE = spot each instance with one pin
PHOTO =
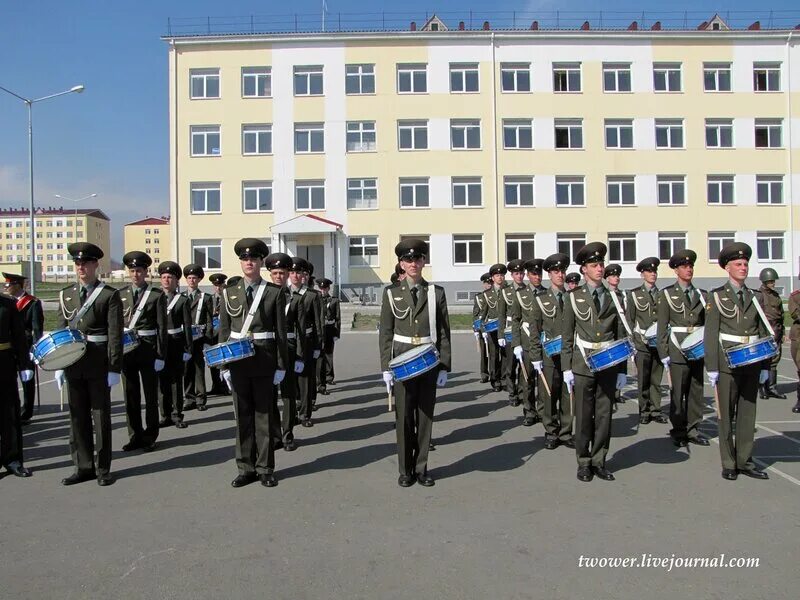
(551, 347)
(490, 325)
(616, 353)
(754, 352)
(198, 331)
(651, 335)
(508, 335)
(414, 362)
(476, 324)
(220, 355)
(59, 349)
(215, 324)
(692, 345)
(130, 340)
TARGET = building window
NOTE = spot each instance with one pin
(359, 79)
(146, 241)
(768, 133)
(308, 81)
(616, 77)
(155, 240)
(207, 253)
(518, 134)
(257, 196)
(667, 77)
(467, 192)
(569, 133)
(465, 134)
(520, 245)
(569, 191)
(769, 245)
(566, 77)
(719, 133)
(361, 136)
(622, 247)
(767, 77)
(309, 138)
(425, 237)
(468, 249)
(414, 193)
(769, 189)
(256, 139)
(412, 79)
(570, 243)
(205, 140)
(621, 191)
(147, 232)
(464, 78)
(412, 135)
(515, 77)
(206, 198)
(670, 243)
(204, 83)
(364, 251)
(309, 195)
(669, 133)
(518, 191)
(362, 194)
(619, 133)
(671, 190)
(720, 189)
(717, 77)
(256, 82)
(464, 296)
(717, 240)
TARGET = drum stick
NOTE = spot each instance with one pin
(524, 370)
(572, 408)
(38, 391)
(391, 398)
(669, 379)
(716, 401)
(61, 393)
(544, 382)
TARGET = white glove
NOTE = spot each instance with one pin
(299, 366)
(763, 376)
(665, 361)
(226, 375)
(316, 354)
(187, 357)
(477, 334)
(158, 365)
(279, 375)
(485, 336)
(336, 339)
(113, 379)
(206, 347)
(501, 341)
(537, 366)
(59, 375)
(569, 379)
(518, 352)
(441, 380)
(388, 379)
(27, 375)
(713, 378)
(622, 379)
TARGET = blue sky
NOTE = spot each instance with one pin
(112, 139)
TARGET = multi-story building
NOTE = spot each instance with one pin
(489, 144)
(150, 235)
(55, 229)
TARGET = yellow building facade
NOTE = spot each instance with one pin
(490, 145)
(151, 235)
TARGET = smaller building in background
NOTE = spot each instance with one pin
(150, 235)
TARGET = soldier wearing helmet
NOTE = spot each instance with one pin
(772, 304)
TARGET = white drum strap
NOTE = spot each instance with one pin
(620, 313)
(88, 304)
(173, 303)
(763, 316)
(432, 311)
(248, 322)
(199, 308)
(139, 308)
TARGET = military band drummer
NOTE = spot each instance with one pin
(332, 321)
(201, 312)
(495, 340)
(218, 388)
(513, 379)
(477, 309)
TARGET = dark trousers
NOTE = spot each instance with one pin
(90, 402)
(194, 378)
(512, 378)
(483, 357)
(649, 371)
(138, 366)
(737, 401)
(253, 400)
(593, 397)
(29, 396)
(170, 381)
(415, 400)
(307, 388)
(557, 409)
(284, 419)
(325, 373)
(495, 360)
(10, 427)
(217, 385)
(686, 398)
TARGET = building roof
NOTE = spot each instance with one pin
(150, 221)
(306, 223)
(52, 211)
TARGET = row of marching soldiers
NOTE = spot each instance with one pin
(263, 339)
(562, 351)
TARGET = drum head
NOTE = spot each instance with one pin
(410, 355)
(62, 357)
(651, 331)
(694, 338)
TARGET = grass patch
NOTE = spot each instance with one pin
(364, 322)
(51, 318)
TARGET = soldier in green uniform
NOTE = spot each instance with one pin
(611, 275)
(218, 281)
(201, 311)
(681, 312)
(494, 339)
(591, 323)
(772, 305)
(533, 268)
(572, 281)
(733, 318)
(477, 309)
(254, 309)
(94, 309)
(513, 379)
(306, 379)
(407, 312)
(794, 338)
(332, 321)
(642, 313)
(547, 310)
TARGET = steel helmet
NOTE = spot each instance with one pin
(768, 274)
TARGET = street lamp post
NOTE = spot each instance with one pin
(75, 200)
(29, 103)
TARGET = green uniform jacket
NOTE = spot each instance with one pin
(297, 321)
(521, 317)
(332, 314)
(154, 316)
(507, 299)
(547, 317)
(17, 357)
(641, 311)
(399, 316)
(205, 315)
(723, 316)
(104, 317)
(589, 325)
(311, 331)
(319, 318)
(491, 307)
(772, 304)
(794, 313)
(180, 317)
(477, 308)
(673, 312)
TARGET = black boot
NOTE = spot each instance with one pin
(773, 382)
(796, 407)
(763, 391)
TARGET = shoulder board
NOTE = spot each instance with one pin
(719, 289)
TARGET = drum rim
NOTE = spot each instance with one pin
(417, 350)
